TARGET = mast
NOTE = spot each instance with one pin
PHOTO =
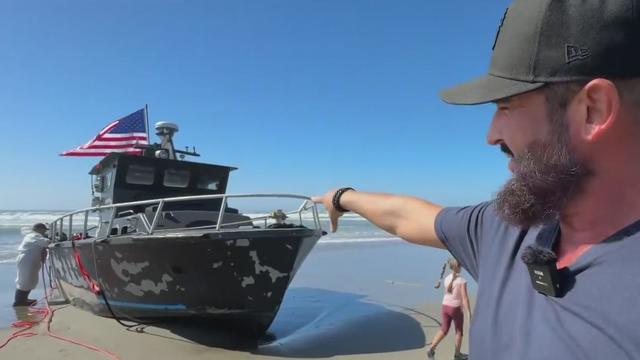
(146, 118)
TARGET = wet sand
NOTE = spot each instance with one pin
(348, 301)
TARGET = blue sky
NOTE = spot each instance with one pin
(301, 95)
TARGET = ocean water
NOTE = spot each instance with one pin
(352, 229)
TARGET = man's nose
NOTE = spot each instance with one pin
(494, 136)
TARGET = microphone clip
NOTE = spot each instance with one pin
(543, 272)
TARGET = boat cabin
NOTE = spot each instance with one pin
(121, 178)
(157, 174)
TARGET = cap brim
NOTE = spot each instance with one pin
(486, 89)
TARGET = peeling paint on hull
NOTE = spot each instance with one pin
(233, 274)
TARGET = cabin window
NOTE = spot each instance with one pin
(102, 183)
(140, 174)
(107, 181)
(176, 178)
(208, 183)
(98, 184)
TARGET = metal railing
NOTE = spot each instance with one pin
(57, 226)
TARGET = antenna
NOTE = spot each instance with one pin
(165, 130)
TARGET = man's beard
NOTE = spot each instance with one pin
(546, 178)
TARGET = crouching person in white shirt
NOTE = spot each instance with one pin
(31, 254)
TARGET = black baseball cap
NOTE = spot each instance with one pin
(547, 41)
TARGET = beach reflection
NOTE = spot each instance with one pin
(312, 323)
(24, 313)
(324, 323)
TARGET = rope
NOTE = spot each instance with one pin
(98, 285)
(93, 285)
(47, 313)
(136, 322)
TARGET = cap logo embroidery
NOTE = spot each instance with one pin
(495, 41)
(575, 53)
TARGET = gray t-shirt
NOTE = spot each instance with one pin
(596, 318)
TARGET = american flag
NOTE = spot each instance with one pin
(120, 136)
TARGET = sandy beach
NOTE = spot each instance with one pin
(348, 301)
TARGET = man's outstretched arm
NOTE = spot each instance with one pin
(407, 217)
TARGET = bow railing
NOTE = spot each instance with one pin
(108, 213)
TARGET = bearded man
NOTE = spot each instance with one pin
(564, 79)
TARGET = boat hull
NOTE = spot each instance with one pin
(238, 275)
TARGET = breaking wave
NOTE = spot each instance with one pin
(27, 218)
(353, 229)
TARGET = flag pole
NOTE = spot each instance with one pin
(146, 118)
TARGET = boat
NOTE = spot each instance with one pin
(160, 240)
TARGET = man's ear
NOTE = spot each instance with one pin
(602, 101)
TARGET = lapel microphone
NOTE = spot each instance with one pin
(541, 263)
